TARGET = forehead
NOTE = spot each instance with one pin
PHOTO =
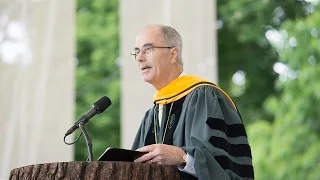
(150, 35)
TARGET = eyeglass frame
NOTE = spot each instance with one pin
(134, 53)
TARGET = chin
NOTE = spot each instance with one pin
(147, 78)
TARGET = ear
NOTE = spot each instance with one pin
(174, 55)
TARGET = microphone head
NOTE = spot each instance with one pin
(102, 104)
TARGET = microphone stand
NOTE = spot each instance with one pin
(87, 138)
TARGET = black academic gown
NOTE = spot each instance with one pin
(209, 128)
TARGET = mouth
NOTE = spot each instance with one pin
(145, 68)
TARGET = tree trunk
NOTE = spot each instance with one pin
(95, 170)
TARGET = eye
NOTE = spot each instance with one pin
(136, 51)
(147, 49)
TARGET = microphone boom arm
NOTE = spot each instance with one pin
(88, 139)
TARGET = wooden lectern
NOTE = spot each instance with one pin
(112, 170)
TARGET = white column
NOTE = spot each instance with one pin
(194, 20)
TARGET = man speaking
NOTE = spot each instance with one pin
(193, 124)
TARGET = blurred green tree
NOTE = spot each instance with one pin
(246, 58)
(97, 72)
(289, 147)
(269, 60)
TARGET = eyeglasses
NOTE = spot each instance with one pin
(146, 50)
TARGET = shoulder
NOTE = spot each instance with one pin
(206, 90)
(212, 92)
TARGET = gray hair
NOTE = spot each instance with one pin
(173, 39)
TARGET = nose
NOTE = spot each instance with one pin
(140, 57)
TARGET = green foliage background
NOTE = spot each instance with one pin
(97, 72)
(281, 112)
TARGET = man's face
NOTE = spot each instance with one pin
(153, 62)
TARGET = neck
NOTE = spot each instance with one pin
(174, 74)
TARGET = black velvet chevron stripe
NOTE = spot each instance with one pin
(235, 150)
(244, 171)
(234, 130)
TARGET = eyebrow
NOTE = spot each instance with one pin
(147, 44)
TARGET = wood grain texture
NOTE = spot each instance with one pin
(95, 170)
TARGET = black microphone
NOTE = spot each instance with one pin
(98, 107)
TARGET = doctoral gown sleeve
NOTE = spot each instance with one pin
(142, 131)
(215, 136)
